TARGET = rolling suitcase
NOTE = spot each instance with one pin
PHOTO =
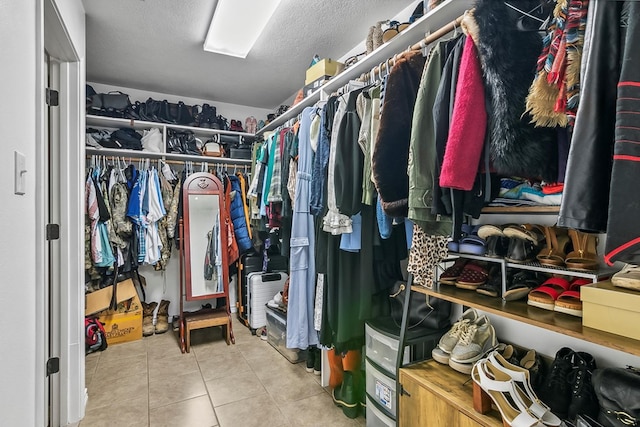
(261, 287)
(253, 263)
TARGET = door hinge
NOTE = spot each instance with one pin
(404, 391)
(53, 366)
(53, 231)
(53, 98)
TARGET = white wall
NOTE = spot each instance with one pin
(22, 284)
(230, 111)
(17, 215)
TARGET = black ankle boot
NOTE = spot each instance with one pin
(556, 391)
(311, 358)
(583, 396)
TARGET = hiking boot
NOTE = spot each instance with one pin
(475, 341)
(311, 358)
(450, 339)
(583, 397)
(556, 390)
(147, 318)
(162, 318)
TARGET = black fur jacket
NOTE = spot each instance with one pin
(508, 58)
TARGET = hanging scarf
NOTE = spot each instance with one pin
(554, 94)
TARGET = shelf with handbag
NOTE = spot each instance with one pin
(200, 139)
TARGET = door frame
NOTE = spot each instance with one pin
(65, 42)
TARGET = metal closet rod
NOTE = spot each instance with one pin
(383, 66)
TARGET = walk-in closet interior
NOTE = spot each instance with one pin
(382, 213)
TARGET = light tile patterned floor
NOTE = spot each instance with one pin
(150, 383)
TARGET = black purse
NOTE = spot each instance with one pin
(618, 392)
(112, 104)
(425, 311)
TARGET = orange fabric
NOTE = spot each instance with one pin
(335, 368)
(352, 361)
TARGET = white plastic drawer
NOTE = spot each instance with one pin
(375, 417)
(381, 388)
(383, 350)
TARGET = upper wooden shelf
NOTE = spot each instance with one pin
(521, 209)
(521, 311)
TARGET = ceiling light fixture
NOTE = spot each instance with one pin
(237, 24)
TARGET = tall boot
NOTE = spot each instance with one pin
(147, 318)
(335, 369)
(162, 319)
(353, 385)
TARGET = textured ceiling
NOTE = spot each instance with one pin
(156, 45)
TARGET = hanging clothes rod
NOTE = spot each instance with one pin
(386, 66)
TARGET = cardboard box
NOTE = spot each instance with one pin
(611, 309)
(325, 67)
(123, 324)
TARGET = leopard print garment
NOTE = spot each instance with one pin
(426, 253)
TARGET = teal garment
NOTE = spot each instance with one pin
(271, 149)
(422, 151)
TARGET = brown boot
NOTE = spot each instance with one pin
(147, 318)
(162, 318)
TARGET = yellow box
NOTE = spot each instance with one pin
(123, 324)
(325, 67)
(611, 309)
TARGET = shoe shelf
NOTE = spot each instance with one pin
(521, 311)
(542, 209)
(601, 274)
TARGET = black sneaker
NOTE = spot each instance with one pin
(583, 396)
(311, 358)
(556, 391)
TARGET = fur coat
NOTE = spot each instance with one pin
(508, 58)
(391, 149)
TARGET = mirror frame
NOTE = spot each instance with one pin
(204, 183)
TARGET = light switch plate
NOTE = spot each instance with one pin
(20, 167)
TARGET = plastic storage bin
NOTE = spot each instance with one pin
(376, 418)
(382, 343)
(381, 388)
(277, 335)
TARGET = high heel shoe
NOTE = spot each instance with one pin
(520, 376)
(502, 391)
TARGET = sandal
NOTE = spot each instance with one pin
(569, 301)
(521, 285)
(584, 255)
(451, 274)
(546, 295)
(529, 232)
(554, 253)
(628, 277)
(493, 287)
(472, 244)
(491, 384)
(473, 275)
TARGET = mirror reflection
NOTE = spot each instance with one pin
(205, 245)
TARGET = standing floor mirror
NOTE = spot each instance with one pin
(204, 271)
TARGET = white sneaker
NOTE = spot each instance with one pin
(474, 342)
(450, 339)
